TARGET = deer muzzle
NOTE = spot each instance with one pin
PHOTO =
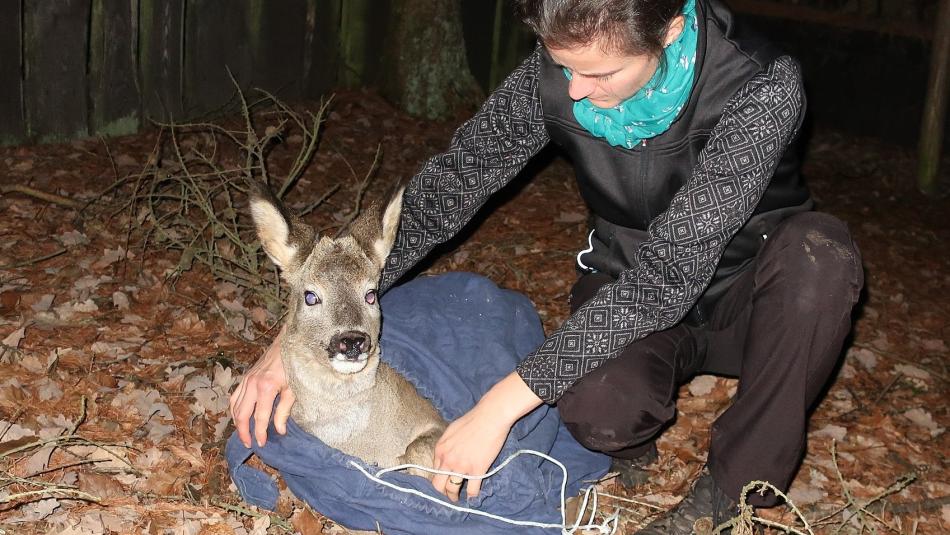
(349, 346)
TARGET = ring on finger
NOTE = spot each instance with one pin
(456, 481)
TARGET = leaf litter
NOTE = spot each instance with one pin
(155, 348)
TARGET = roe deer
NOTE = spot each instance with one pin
(345, 395)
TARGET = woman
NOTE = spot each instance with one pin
(704, 254)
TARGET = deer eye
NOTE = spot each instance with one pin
(370, 297)
(310, 298)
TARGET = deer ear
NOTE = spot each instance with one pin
(281, 235)
(384, 244)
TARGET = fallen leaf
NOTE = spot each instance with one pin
(71, 238)
(12, 431)
(259, 315)
(187, 527)
(13, 339)
(101, 485)
(934, 344)
(162, 482)
(23, 167)
(188, 321)
(305, 523)
(847, 371)
(120, 300)
(33, 364)
(225, 289)
(48, 389)
(866, 357)
(43, 304)
(261, 524)
(806, 495)
(191, 454)
(89, 282)
(125, 160)
(117, 523)
(157, 431)
(104, 347)
(150, 458)
(34, 511)
(217, 528)
(835, 432)
(924, 419)
(148, 404)
(570, 217)
(66, 311)
(38, 461)
(912, 371)
(221, 427)
(702, 385)
(115, 459)
(9, 301)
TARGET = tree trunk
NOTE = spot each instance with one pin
(424, 69)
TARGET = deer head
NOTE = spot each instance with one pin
(333, 320)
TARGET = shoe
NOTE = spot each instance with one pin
(705, 502)
(633, 472)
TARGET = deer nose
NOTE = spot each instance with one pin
(350, 344)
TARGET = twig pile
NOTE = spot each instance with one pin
(191, 195)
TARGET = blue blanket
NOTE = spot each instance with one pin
(453, 336)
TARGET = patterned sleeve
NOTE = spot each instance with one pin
(486, 152)
(675, 264)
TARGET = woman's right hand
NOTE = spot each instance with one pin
(255, 396)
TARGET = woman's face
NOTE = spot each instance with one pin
(608, 79)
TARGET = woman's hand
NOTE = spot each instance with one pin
(471, 443)
(255, 396)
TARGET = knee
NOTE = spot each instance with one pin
(607, 415)
(819, 259)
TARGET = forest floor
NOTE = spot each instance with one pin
(114, 377)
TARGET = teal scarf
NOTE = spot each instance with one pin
(654, 107)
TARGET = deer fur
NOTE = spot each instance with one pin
(345, 395)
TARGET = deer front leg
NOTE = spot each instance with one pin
(421, 451)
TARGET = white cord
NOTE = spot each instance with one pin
(590, 247)
(608, 527)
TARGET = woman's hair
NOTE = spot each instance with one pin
(625, 26)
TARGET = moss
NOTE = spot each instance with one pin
(120, 127)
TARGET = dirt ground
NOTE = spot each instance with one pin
(114, 377)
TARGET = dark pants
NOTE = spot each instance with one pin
(779, 328)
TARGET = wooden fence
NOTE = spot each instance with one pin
(73, 68)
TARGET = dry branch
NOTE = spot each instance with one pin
(41, 195)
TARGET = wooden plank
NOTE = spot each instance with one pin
(935, 106)
(322, 59)
(112, 49)
(54, 52)
(363, 34)
(278, 33)
(12, 125)
(353, 41)
(159, 56)
(216, 34)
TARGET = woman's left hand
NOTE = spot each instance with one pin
(472, 442)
